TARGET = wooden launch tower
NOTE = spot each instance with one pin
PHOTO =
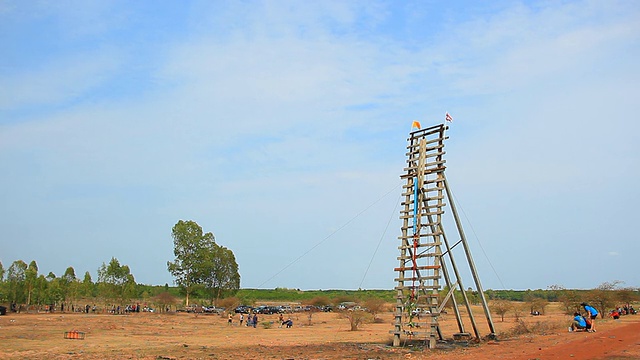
(426, 256)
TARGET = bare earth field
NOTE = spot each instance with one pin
(327, 336)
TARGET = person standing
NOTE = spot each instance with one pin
(230, 321)
(255, 320)
(592, 314)
(241, 318)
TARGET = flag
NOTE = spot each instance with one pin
(448, 117)
(416, 125)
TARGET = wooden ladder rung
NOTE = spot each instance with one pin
(428, 267)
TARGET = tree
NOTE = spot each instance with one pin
(87, 287)
(473, 296)
(603, 296)
(31, 275)
(164, 300)
(2, 290)
(55, 292)
(375, 306)
(116, 281)
(519, 310)
(69, 284)
(570, 300)
(356, 318)
(319, 301)
(199, 260)
(41, 291)
(16, 275)
(537, 304)
(220, 272)
(627, 295)
(501, 307)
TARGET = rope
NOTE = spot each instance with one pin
(328, 236)
(477, 239)
(380, 241)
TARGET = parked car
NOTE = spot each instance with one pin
(213, 309)
(273, 310)
(260, 309)
(346, 305)
(243, 309)
(265, 309)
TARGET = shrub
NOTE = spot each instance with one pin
(267, 324)
(228, 303)
(538, 328)
(318, 301)
(356, 318)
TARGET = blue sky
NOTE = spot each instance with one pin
(281, 127)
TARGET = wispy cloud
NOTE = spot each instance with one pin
(276, 122)
(58, 82)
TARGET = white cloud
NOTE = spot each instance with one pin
(275, 123)
(58, 81)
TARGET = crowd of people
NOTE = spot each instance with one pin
(622, 310)
(252, 320)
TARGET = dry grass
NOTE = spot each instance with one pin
(539, 327)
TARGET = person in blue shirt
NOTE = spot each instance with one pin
(592, 314)
(579, 323)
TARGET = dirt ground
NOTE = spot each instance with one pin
(324, 336)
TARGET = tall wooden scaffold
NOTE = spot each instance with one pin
(424, 247)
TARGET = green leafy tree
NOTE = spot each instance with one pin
(220, 272)
(473, 296)
(68, 284)
(87, 288)
(55, 293)
(190, 247)
(31, 275)
(3, 294)
(16, 275)
(41, 291)
(116, 282)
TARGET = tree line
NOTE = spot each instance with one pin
(22, 284)
(201, 267)
(208, 272)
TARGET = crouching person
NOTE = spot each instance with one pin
(579, 323)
